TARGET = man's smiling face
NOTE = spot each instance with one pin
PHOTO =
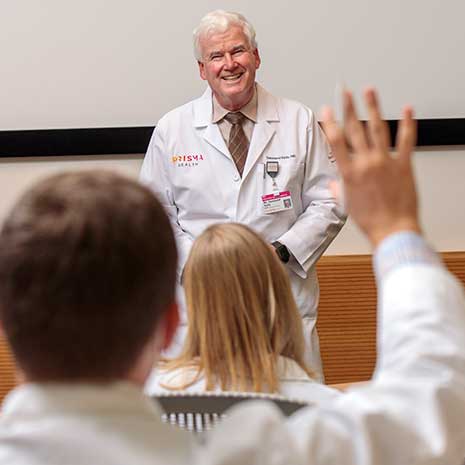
(229, 65)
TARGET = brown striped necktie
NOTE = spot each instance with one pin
(238, 144)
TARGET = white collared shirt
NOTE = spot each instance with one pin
(84, 424)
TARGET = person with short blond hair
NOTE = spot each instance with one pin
(244, 332)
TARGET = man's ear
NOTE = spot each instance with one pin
(257, 58)
(202, 70)
(171, 320)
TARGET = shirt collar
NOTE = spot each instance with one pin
(42, 398)
(249, 110)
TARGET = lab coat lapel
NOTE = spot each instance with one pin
(267, 111)
(203, 123)
(212, 135)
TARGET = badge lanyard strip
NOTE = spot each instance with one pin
(272, 170)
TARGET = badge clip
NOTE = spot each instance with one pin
(272, 170)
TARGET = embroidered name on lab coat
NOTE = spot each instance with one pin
(280, 157)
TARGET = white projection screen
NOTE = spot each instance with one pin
(113, 63)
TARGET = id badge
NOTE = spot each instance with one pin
(277, 202)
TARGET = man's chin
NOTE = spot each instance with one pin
(236, 93)
(233, 97)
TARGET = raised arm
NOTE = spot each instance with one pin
(379, 187)
(412, 411)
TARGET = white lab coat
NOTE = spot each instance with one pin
(411, 413)
(190, 169)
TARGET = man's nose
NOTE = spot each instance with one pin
(228, 60)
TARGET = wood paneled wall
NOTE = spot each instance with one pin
(7, 369)
(346, 321)
(347, 314)
(347, 318)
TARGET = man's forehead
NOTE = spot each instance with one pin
(233, 37)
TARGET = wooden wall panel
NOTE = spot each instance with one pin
(7, 369)
(347, 318)
(347, 314)
(455, 261)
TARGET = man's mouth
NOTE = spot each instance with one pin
(232, 77)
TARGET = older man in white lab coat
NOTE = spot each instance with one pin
(269, 170)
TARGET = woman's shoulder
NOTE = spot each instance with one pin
(162, 380)
(295, 383)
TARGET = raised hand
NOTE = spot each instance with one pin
(379, 187)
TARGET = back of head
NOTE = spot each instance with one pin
(218, 21)
(87, 267)
(242, 314)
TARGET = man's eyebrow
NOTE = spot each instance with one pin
(235, 48)
(238, 47)
(214, 52)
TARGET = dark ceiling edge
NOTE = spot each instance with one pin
(134, 140)
(63, 142)
(431, 132)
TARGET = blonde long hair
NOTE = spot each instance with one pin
(242, 315)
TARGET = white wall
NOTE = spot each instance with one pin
(17, 174)
(439, 178)
(439, 175)
(97, 63)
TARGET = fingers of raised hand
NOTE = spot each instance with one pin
(377, 128)
(354, 134)
(353, 127)
(406, 135)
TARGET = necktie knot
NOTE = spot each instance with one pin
(235, 118)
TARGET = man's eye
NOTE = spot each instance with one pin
(216, 57)
(238, 52)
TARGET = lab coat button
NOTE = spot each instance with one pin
(236, 178)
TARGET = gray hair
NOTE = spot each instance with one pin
(220, 21)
